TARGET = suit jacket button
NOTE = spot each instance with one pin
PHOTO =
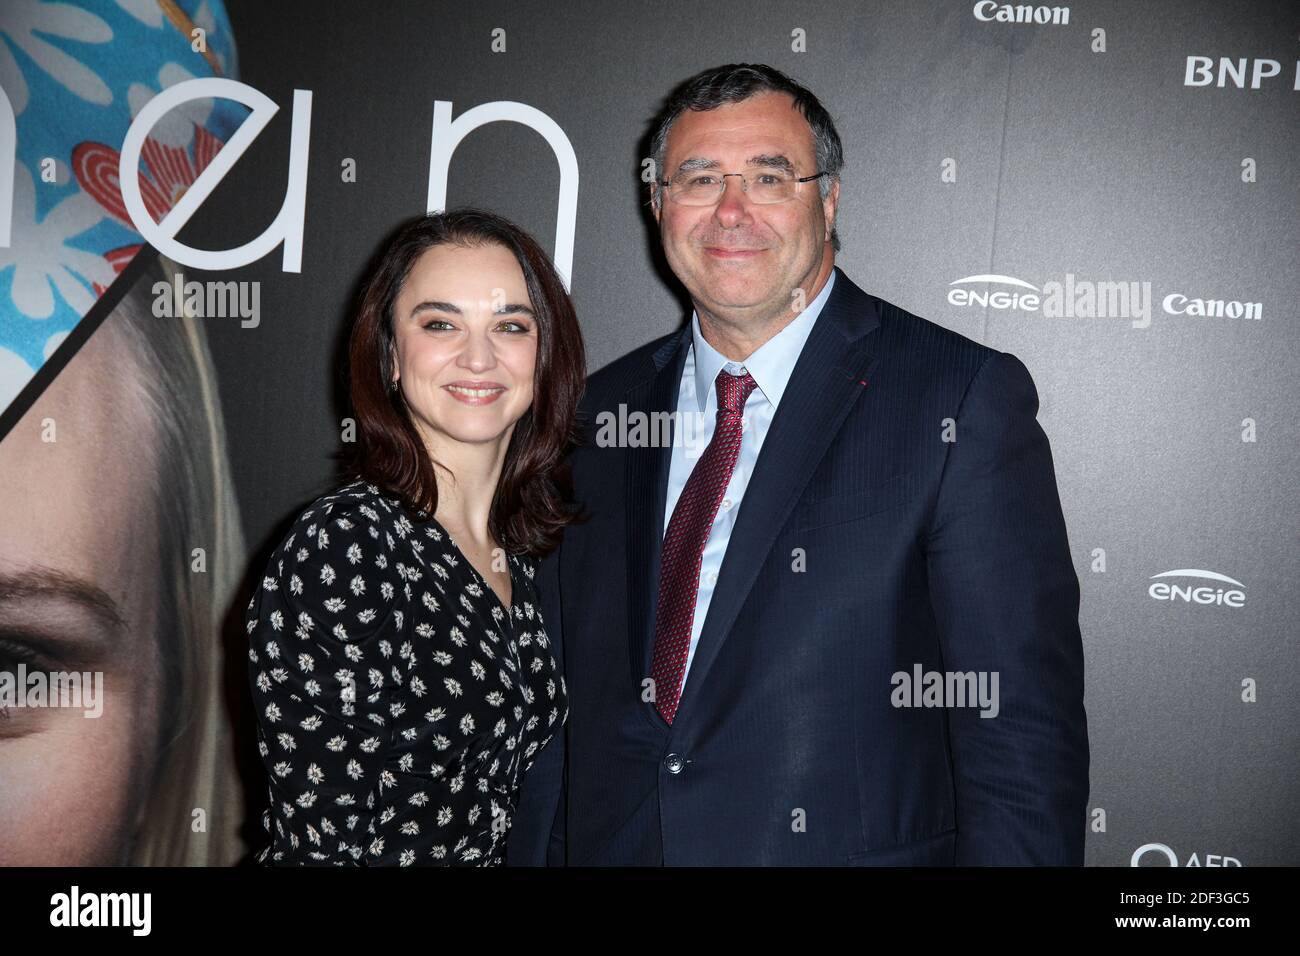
(674, 763)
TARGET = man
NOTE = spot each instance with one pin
(764, 641)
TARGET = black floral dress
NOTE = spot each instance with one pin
(399, 706)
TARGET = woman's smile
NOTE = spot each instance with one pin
(475, 393)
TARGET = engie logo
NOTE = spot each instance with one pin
(1021, 295)
(1190, 593)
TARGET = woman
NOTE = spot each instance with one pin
(399, 702)
(122, 556)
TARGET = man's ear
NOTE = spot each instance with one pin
(830, 207)
(656, 199)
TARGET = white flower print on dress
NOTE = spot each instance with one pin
(357, 701)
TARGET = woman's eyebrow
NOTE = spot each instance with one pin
(45, 583)
(435, 306)
(514, 308)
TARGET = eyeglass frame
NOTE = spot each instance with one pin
(744, 187)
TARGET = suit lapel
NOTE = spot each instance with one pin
(645, 493)
(826, 382)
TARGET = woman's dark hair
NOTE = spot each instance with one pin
(531, 506)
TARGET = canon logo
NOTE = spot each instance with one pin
(1190, 593)
(1178, 304)
(991, 12)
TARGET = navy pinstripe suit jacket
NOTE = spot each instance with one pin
(866, 545)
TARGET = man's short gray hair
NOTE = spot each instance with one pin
(739, 81)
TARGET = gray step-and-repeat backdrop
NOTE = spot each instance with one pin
(1108, 190)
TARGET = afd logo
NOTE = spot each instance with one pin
(1164, 856)
(1190, 592)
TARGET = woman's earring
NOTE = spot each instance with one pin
(392, 386)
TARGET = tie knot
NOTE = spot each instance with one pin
(733, 391)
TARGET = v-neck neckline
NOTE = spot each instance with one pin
(510, 573)
(506, 606)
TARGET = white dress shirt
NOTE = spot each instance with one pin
(697, 408)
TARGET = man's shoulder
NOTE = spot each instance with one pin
(905, 339)
(945, 361)
(621, 374)
(912, 339)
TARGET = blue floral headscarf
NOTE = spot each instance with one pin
(75, 73)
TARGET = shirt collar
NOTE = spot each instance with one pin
(770, 364)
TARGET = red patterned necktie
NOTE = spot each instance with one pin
(683, 550)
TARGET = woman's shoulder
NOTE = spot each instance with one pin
(336, 566)
(355, 499)
(351, 522)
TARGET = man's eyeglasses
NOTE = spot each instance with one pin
(703, 187)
